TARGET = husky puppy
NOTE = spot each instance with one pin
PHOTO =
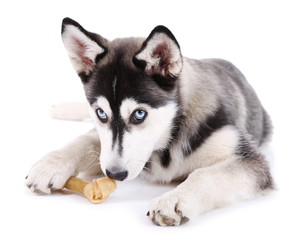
(165, 118)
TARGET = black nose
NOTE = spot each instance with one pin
(116, 175)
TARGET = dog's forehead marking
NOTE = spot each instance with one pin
(114, 86)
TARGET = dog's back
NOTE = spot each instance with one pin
(215, 91)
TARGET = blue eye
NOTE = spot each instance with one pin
(138, 116)
(101, 115)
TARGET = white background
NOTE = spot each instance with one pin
(265, 39)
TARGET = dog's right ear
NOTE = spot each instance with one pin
(84, 48)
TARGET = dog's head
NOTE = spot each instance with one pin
(132, 87)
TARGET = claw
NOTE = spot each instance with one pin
(39, 192)
(154, 220)
(180, 213)
(33, 187)
(184, 220)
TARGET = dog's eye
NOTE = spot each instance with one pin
(138, 116)
(101, 115)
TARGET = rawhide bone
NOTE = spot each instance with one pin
(96, 191)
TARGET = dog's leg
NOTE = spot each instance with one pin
(241, 176)
(54, 169)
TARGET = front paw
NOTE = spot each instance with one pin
(50, 173)
(171, 209)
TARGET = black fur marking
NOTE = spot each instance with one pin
(101, 55)
(165, 157)
(255, 162)
(69, 21)
(118, 127)
(166, 83)
(130, 84)
(84, 77)
(246, 149)
(216, 121)
(139, 63)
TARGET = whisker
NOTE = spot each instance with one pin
(95, 156)
(147, 169)
(91, 152)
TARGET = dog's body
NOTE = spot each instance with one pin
(166, 118)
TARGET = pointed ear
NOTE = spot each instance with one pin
(160, 54)
(85, 49)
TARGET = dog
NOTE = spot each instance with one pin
(163, 117)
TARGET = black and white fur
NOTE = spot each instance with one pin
(165, 118)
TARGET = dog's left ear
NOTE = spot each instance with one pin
(160, 54)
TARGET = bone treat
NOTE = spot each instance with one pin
(96, 191)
